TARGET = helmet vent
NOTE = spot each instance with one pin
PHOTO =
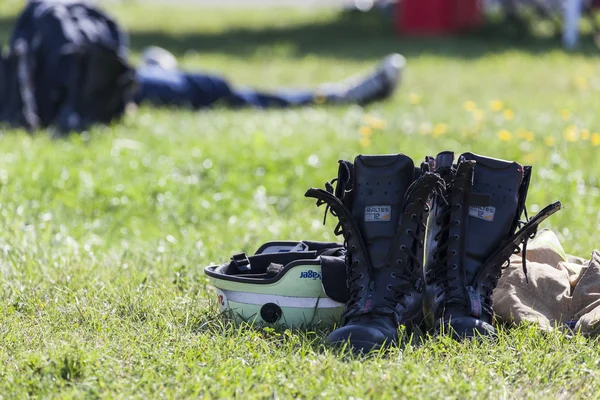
(270, 313)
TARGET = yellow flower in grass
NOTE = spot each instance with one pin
(470, 105)
(572, 133)
(496, 105)
(365, 141)
(508, 114)
(525, 135)
(365, 131)
(425, 128)
(596, 139)
(550, 141)
(585, 134)
(470, 133)
(581, 83)
(477, 114)
(565, 114)
(440, 129)
(414, 98)
(374, 122)
(529, 136)
(378, 124)
(505, 135)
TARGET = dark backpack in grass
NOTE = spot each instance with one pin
(66, 68)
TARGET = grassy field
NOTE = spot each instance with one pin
(104, 235)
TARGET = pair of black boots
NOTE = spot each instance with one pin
(425, 246)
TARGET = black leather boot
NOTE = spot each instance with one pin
(382, 204)
(470, 237)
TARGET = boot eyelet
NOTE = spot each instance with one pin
(399, 261)
(457, 222)
(413, 216)
(353, 247)
(408, 231)
(389, 287)
(455, 237)
(454, 266)
(361, 275)
(393, 274)
(402, 247)
(356, 261)
(453, 252)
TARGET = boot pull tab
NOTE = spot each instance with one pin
(345, 181)
(474, 302)
(426, 166)
(429, 162)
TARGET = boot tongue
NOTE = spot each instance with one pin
(380, 182)
(489, 225)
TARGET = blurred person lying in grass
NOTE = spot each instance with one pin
(161, 83)
(67, 68)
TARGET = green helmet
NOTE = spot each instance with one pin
(283, 284)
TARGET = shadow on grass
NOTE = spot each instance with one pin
(302, 340)
(220, 325)
(356, 36)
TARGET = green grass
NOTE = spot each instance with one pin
(104, 235)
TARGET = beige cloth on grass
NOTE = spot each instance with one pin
(562, 289)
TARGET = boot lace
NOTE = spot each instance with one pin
(355, 288)
(408, 277)
(355, 270)
(442, 271)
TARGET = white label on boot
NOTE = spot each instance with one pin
(485, 213)
(378, 213)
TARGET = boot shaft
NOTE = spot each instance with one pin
(381, 204)
(380, 183)
(477, 215)
(500, 187)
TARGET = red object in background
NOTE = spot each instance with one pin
(430, 17)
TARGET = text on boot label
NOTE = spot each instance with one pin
(485, 213)
(378, 213)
